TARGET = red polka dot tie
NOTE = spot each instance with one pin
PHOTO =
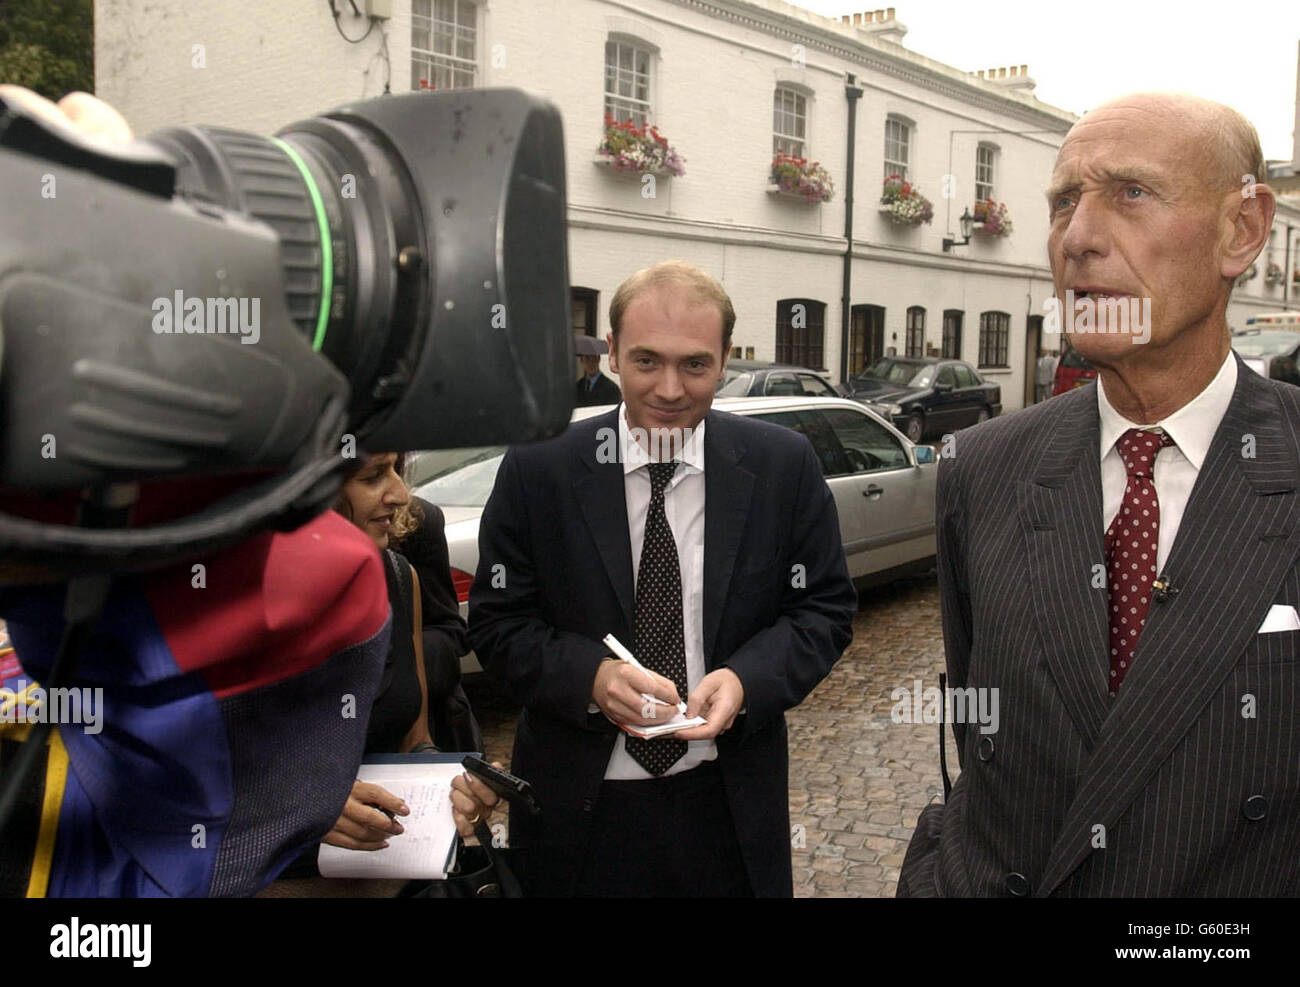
(1132, 541)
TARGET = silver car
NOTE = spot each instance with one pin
(883, 487)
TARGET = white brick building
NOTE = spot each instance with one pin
(711, 71)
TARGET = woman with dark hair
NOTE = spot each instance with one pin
(375, 499)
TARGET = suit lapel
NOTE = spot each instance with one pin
(1237, 539)
(600, 492)
(728, 489)
(1060, 515)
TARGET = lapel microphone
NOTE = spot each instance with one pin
(1163, 589)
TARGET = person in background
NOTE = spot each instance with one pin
(1044, 375)
(593, 387)
(451, 720)
(375, 499)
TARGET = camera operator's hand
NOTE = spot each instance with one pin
(82, 111)
(364, 827)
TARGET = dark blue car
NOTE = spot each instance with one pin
(925, 396)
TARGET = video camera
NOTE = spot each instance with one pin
(205, 302)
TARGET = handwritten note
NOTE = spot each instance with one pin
(427, 848)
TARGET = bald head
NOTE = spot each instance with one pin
(1157, 200)
(1223, 144)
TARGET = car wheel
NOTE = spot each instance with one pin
(915, 427)
(983, 416)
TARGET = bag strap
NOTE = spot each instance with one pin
(943, 738)
(509, 884)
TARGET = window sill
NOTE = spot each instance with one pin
(888, 214)
(994, 369)
(608, 164)
(776, 191)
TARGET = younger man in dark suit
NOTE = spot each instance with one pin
(715, 556)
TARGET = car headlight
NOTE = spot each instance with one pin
(889, 409)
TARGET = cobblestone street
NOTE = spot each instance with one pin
(857, 780)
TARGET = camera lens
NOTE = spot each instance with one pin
(422, 243)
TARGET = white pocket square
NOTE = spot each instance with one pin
(1281, 617)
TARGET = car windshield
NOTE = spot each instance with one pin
(458, 477)
(1265, 343)
(735, 383)
(905, 372)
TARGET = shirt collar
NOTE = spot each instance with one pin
(635, 456)
(1192, 426)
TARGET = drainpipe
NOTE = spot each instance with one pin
(853, 94)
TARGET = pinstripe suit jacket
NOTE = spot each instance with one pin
(1189, 782)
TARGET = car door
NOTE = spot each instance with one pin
(898, 521)
(970, 396)
(850, 504)
(944, 413)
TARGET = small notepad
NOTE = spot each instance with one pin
(427, 848)
(678, 722)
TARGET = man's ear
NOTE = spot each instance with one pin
(1248, 222)
(613, 357)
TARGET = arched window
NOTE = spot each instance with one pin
(627, 80)
(898, 145)
(986, 159)
(789, 122)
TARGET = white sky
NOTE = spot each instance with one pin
(1238, 52)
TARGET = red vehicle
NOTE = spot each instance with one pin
(1072, 371)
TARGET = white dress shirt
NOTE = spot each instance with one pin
(1176, 467)
(684, 508)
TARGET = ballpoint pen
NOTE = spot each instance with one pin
(616, 646)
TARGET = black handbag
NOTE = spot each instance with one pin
(482, 871)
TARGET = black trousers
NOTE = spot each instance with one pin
(667, 837)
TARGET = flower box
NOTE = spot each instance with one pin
(991, 218)
(795, 178)
(611, 165)
(903, 203)
(627, 148)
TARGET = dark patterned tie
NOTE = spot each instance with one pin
(1132, 541)
(659, 641)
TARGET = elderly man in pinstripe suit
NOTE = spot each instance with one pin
(1123, 563)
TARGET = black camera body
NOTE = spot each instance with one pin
(391, 275)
